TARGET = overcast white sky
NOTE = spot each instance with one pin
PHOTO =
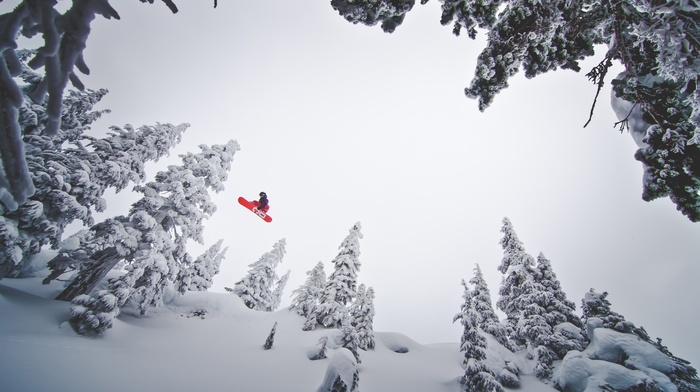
(341, 123)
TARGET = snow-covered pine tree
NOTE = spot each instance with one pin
(70, 172)
(532, 328)
(562, 309)
(349, 337)
(538, 36)
(597, 313)
(255, 289)
(307, 295)
(539, 316)
(95, 251)
(658, 43)
(112, 162)
(341, 286)
(362, 317)
(468, 15)
(65, 36)
(477, 376)
(175, 203)
(65, 181)
(311, 321)
(198, 274)
(517, 267)
(57, 178)
(152, 239)
(279, 291)
(547, 320)
(684, 376)
(488, 320)
(560, 314)
(596, 306)
(121, 155)
(270, 338)
(370, 12)
(322, 348)
(342, 374)
(347, 266)
(10, 250)
(92, 315)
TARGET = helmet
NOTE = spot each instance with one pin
(262, 194)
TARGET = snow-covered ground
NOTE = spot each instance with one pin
(180, 348)
(170, 349)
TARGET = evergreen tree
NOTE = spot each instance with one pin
(322, 346)
(152, 239)
(597, 313)
(341, 286)
(255, 289)
(342, 374)
(477, 376)
(311, 321)
(120, 157)
(70, 172)
(41, 219)
(517, 266)
(560, 311)
(270, 338)
(362, 315)
(94, 314)
(65, 36)
(349, 337)
(389, 12)
(596, 306)
(532, 330)
(488, 320)
(199, 274)
(111, 162)
(279, 291)
(170, 213)
(539, 316)
(546, 324)
(549, 324)
(307, 295)
(658, 43)
(684, 376)
(11, 251)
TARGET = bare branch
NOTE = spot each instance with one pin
(597, 76)
(625, 122)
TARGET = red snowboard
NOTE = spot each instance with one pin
(245, 203)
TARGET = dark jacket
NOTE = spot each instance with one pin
(263, 202)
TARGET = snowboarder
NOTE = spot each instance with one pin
(259, 208)
(262, 204)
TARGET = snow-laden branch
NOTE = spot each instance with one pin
(64, 37)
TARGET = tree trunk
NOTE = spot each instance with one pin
(5, 268)
(88, 278)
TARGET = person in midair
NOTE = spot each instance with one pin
(262, 204)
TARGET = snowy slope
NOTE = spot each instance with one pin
(170, 349)
(180, 348)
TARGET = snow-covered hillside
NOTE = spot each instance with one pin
(213, 342)
(175, 350)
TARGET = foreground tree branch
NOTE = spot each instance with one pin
(656, 42)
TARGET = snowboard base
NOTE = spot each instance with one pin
(245, 203)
